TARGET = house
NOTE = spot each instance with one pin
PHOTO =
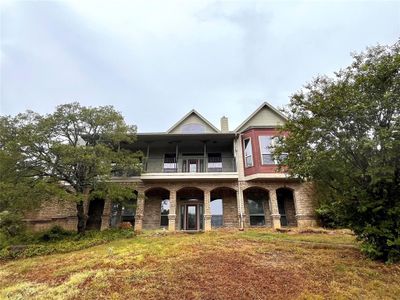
(197, 177)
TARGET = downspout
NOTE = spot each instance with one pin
(239, 195)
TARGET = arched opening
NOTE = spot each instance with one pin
(96, 208)
(223, 208)
(190, 201)
(124, 211)
(286, 207)
(257, 206)
(217, 213)
(156, 208)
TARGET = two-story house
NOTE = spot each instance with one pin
(197, 177)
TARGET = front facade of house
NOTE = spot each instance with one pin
(197, 177)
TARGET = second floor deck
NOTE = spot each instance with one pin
(185, 156)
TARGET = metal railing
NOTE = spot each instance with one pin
(182, 165)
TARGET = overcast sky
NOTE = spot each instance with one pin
(156, 60)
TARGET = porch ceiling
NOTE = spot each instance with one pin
(157, 139)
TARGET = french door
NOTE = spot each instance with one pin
(191, 216)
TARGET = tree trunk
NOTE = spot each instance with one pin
(81, 217)
(80, 207)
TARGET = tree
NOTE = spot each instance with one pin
(75, 148)
(344, 135)
(15, 185)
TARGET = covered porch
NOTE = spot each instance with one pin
(206, 206)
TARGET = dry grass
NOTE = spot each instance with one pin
(255, 264)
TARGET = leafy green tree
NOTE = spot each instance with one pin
(19, 190)
(75, 148)
(344, 135)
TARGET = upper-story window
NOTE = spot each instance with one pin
(214, 162)
(170, 163)
(193, 128)
(266, 149)
(267, 145)
(248, 153)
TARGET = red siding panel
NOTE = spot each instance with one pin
(258, 167)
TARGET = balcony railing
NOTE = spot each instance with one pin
(182, 165)
(189, 165)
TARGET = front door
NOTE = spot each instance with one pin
(191, 217)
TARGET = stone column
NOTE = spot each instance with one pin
(207, 210)
(139, 211)
(105, 218)
(273, 204)
(172, 211)
(304, 207)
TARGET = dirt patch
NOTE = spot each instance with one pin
(228, 276)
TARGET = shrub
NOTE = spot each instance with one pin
(55, 233)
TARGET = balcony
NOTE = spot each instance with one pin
(193, 167)
(189, 168)
(194, 164)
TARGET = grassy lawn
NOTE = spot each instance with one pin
(255, 264)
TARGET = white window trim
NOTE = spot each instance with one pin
(261, 154)
(244, 153)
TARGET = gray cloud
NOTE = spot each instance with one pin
(156, 60)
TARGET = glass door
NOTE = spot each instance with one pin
(191, 217)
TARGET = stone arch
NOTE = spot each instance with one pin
(286, 206)
(223, 187)
(224, 211)
(255, 187)
(155, 188)
(124, 212)
(190, 208)
(257, 206)
(189, 192)
(156, 207)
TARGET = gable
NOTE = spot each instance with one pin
(264, 116)
(193, 122)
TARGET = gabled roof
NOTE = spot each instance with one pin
(194, 112)
(257, 111)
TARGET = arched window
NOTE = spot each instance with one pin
(193, 128)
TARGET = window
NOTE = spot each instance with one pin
(164, 212)
(214, 162)
(267, 144)
(266, 149)
(169, 163)
(256, 212)
(217, 215)
(248, 153)
(193, 128)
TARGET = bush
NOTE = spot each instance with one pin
(55, 233)
(10, 224)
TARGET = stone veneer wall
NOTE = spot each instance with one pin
(51, 213)
(230, 211)
(152, 213)
(290, 213)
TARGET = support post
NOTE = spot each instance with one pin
(273, 202)
(139, 211)
(172, 211)
(207, 210)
